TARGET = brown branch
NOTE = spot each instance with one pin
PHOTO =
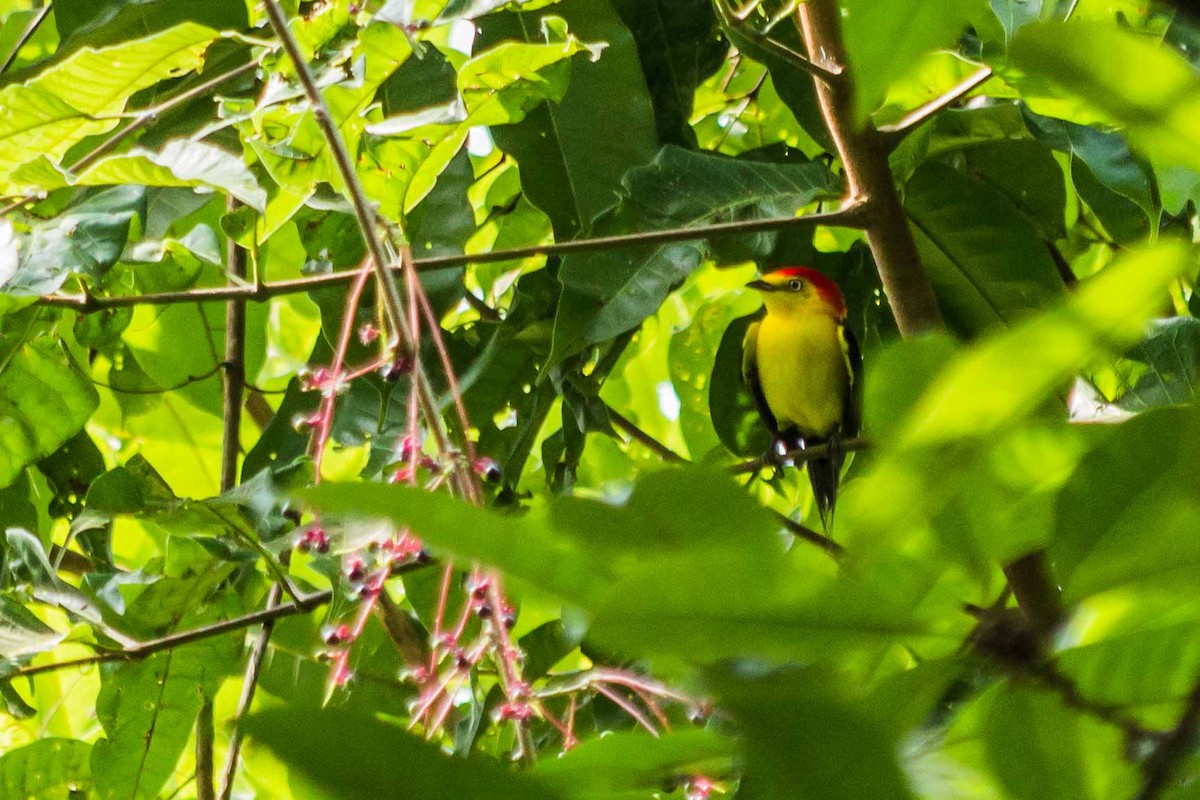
(850, 215)
(636, 433)
(894, 134)
(801, 531)
(736, 20)
(1179, 743)
(864, 157)
(234, 389)
(140, 651)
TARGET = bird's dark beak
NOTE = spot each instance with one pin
(761, 286)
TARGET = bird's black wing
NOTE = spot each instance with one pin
(750, 373)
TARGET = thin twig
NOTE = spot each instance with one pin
(140, 651)
(738, 21)
(894, 133)
(850, 215)
(627, 425)
(801, 531)
(234, 389)
(801, 456)
(26, 35)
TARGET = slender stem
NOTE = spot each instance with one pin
(850, 215)
(627, 425)
(363, 211)
(893, 134)
(801, 456)
(801, 531)
(26, 35)
(205, 742)
(140, 651)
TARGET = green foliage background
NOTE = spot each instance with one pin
(1054, 209)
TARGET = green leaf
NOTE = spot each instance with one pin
(1007, 378)
(1171, 354)
(1106, 175)
(679, 45)
(74, 98)
(180, 162)
(44, 401)
(1132, 80)
(86, 240)
(498, 87)
(803, 740)
(607, 293)
(985, 259)
(632, 760)
(735, 416)
(104, 21)
(572, 159)
(1041, 750)
(47, 769)
(148, 708)
(1137, 532)
(884, 40)
(387, 761)
(22, 633)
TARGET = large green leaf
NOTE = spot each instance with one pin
(84, 240)
(387, 762)
(44, 401)
(47, 769)
(634, 762)
(885, 39)
(1119, 189)
(1007, 378)
(803, 740)
(678, 46)
(1139, 530)
(984, 257)
(609, 292)
(1041, 750)
(1130, 80)
(572, 159)
(147, 708)
(77, 97)
(100, 22)
(1171, 355)
(178, 163)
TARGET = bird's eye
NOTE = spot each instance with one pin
(795, 285)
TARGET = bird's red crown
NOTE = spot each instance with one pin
(826, 288)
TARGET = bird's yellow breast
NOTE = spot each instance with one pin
(802, 370)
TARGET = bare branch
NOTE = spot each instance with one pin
(627, 425)
(850, 215)
(140, 651)
(894, 134)
(738, 20)
(802, 531)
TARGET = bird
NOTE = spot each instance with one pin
(802, 365)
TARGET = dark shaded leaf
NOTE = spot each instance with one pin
(388, 762)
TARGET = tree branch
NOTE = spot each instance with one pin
(636, 433)
(140, 651)
(894, 134)
(850, 215)
(869, 180)
(864, 158)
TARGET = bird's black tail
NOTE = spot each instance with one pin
(825, 473)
